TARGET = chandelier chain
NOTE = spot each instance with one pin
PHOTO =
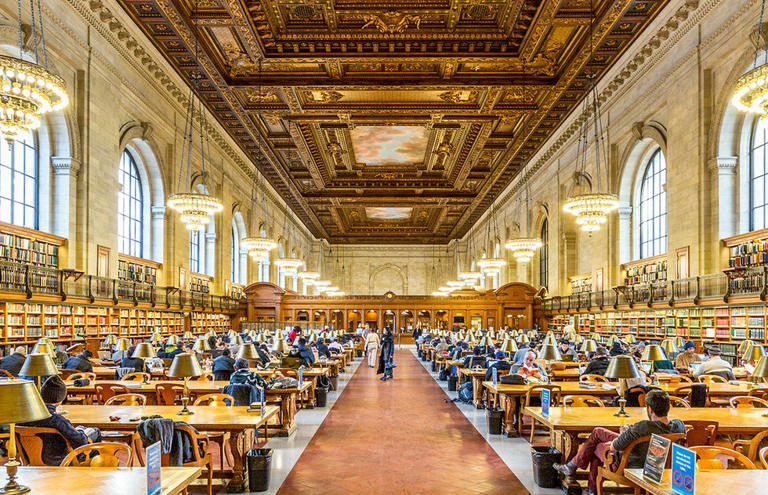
(42, 35)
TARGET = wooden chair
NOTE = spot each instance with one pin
(127, 400)
(699, 433)
(710, 379)
(711, 457)
(6, 374)
(65, 373)
(106, 390)
(135, 377)
(201, 457)
(535, 391)
(168, 394)
(78, 375)
(593, 378)
(106, 455)
(764, 457)
(640, 391)
(747, 402)
(752, 447)
(679, 402)
(604, 473)
(219, 438)
(205, 377)
(30, 440)
(556, 366)
(685, 392)
(760, 392)
(582, 401)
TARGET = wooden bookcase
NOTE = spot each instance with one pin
(201, 283)
(580, 284)
(135, 269)
(645, 271)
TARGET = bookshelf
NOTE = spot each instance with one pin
(25, 245)
(137, 269)
(201, 323)
(645, 271)
(200, 283)
(580, 284)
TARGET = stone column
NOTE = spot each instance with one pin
(65, 170)
(625, 234)
(157, 225)
(244, 267)
(727, 207)
(210, 254)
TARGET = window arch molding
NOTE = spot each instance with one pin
(648, 138)
(135, 138)
(239, 256)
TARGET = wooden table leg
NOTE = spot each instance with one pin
(236, 446)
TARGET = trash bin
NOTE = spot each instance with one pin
(451, 383)
(359, 353)
(259, 462)
(544, 474)
(495, 417)
(321, 396)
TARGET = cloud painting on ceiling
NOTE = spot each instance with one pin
(389, 144)
(388, 213)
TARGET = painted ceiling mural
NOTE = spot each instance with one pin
(388, 213)
(351, 106)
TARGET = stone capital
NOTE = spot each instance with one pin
(158, 212)
(65, 165)
(624, 212)
(724, 165)
(210, 236)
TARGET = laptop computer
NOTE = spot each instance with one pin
(290, 362)
(695, 366)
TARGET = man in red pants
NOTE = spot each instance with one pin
(601, 441)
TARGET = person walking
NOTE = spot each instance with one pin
(372, 342)
(387, 355)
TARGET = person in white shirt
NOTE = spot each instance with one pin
(714, 363)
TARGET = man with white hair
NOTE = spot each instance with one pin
(12, 363)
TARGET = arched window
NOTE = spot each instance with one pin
(758, 192)
(653, 207)
(194, 251)
(18, 182)
(234, 274)
(130, 208)
(544, 255)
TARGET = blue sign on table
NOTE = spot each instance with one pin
(545, 395)
(683, 479)
(453, 369)
(301, 375)
(261, 400)
(154, 459)
(495, 376)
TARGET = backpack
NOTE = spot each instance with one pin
(443, 376)
(465, 393)
(323, 382)
(244, 376)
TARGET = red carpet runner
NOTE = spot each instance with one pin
(398, 437)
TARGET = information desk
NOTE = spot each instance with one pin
(712, 482)
(236, 420)
(99, 480)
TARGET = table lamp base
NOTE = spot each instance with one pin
(12, 487)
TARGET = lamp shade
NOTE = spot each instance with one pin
(630, 338)
(744, 346)
(188, 335)
(43, 348)
(486, 341)
(611, 340)
(550, 340)
(622, 367)
(279, 345)
(110, 340)
(549, 352)
(509, 346)
(523, 339)
(668, 346)
(201, 345)
(144, 350)
(679, 342)
(761, 370)
(38, 365)
(123, 345)
(173, 339)
(754, 353)
(653, 352)
(589, 345)
(20, 402)
(156, 338)
(247, 351)
(261, 338)
(185, 365)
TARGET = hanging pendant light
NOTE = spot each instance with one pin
(258, 247)
(28, 90)
(491, 266)
(309, 277)
(591, 207)
(523, 248)
(195, 208)
(751, 93)
(290, 266)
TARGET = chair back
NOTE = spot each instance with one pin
(106, 455)
(31, 439)
(6, 374)
(556, 366)
(65, 373)
(694, 394)
(761, 392)
(168, 394)
(679, 402)
(135, 377)
(592, 378)
(747, 402)
(127, 400)
(716, 457)
(214, 400)
(205, 377)
(710, 379)
(764, 457)
(79, 375)
(699, 433)
(104, 391)
(582, 401)
(673, 437)
(535, 391)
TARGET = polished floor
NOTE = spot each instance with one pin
(399, 436)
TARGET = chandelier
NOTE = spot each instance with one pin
(309, 277)
(195, 208)
(591, 209)
(259, 254)
(290, 266)
(439, 293)
(455, 284)
(523, 248)
(751, 94)
(470, 276)
(27, 89)
(491, 266)
(321, 284)
(258, 243)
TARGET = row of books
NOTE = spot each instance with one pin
(14, 247)
(750, 253)
(136, 272)
(643, 274)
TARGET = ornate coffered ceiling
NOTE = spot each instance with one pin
(390, 121)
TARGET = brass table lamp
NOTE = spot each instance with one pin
(589, 345)
(509, 346)
(669, 347)
(201, 345)
(20, 402)
(761, 372)
(622, 368)
(144, 350)
(123, 345)
(279, 346)
(109, 340)
(185, 366)
(188, 335)
(549, 353)
(173, 339)
(238, 340)
(653, 353)
(157, 338)
(523, 339)
(247, 351)
(43, 348)
(38, 365)
(744, 346)
(753, 354)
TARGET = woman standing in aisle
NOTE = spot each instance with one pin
(386, 358)
(372, 342)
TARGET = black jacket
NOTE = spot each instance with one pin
(499, 365)
(78, 363)
(306, 355)
(387, 352)
(13, 363)
(54, 448)
(597, 366)
(224, 363)
(135, 363)
(170, 355)
(322, 349)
